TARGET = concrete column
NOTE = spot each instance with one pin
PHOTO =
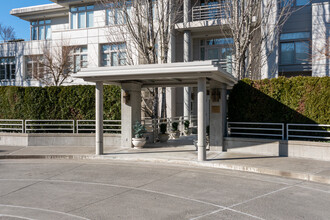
(99, 117)
(186, 11)
(130, 111)
(201, 119)
(187, 56)
(186, 102)
(223, 114)
(215, 117)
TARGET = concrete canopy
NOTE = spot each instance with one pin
(160, 75)
(133, 78)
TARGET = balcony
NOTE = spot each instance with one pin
(209, 12)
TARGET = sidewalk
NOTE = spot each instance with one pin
(304, 169)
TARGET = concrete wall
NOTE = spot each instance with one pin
(268, 147)
(81, 140)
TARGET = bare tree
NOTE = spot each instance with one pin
(7, 33)
(254, 26)
(147, 25)
(55, 66)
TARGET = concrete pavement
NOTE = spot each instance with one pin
(108, 189)
(303, 169)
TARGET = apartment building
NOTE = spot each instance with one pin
(93, 29)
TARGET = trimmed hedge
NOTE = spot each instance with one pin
(285, 100)
(65, 102)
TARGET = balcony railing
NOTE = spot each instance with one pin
(209, 12)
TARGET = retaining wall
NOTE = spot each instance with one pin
(81, 140)
(268, 147)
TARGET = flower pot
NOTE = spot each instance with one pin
(175, 134)
(187, 132)
(163, 137)
(138, 143)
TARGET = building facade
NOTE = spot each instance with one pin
(89, 25)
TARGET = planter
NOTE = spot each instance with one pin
(187, 132)
(138, 143)
(175, 134)
(163, 137)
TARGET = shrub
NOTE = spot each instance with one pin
(65, 102)
(285, 100)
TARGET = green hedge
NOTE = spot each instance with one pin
(285, 100)
(65, 102)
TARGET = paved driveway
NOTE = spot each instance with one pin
(65, 189)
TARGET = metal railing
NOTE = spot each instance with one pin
(11, 125)
(308, 131)
(209, 12)
(88, 126)
(153, 125)
(226, 65)
(256, 129)
(40, 126)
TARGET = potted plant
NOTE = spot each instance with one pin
(187, 130)
(163, 136)
(139, 141)
(174, 130)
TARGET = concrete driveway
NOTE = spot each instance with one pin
(92, 189)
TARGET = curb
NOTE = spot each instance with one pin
(259, 170)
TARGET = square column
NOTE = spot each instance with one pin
(217, 116)
(130, 111)
(99, 118)
(201, 119)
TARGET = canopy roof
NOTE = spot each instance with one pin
(160, 75)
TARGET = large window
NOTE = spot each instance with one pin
(41, 30)
(34, 66)
(117, 14)
(80, 58)
(7, 68)
(113, 54)
(295, 48)
(285, 3)
(82, 16)
(218, 49)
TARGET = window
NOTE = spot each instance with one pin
(218, 49)
(41, 30)
(114, 55)
(302, 2)
(116, 14)
(294, 48)
(297, 35)
(34, 66)
(7, 68)
(285, 3)
(80, 58)
(82, 16)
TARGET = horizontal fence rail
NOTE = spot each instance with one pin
(289, 131)
(256, 129)
(42, 126)
(11, 125)
(308, 131)
(209, 12)
(88, 126)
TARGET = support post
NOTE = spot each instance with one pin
(223, 116)
(187, 57)
(99, 117)
(130, 111)
(201, 119)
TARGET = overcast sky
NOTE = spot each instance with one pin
(22, 28)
